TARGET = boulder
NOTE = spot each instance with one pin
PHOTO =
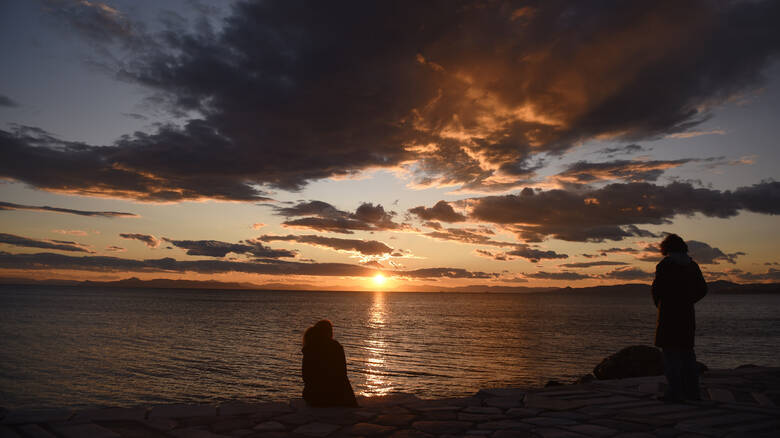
(634, 361)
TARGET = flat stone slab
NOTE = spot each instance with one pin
(194, 433)
(182, 411)
(36, 416)
(35, 431)
(111, 414)
(369, 429)
(84, 430)
(441, 427)
(316, 429)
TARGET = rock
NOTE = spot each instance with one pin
(369, 429)
(552, 383)
(587, 378)
(634, 361)
(316, 429)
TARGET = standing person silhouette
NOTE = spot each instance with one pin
(324, 368)
(677, 286)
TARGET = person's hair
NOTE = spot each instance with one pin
(318, 333)
(326, 327)
(673, 243)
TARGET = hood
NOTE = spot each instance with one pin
(679, 258)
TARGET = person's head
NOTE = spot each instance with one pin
(673, 243)
(326, 328)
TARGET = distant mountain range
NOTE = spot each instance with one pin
(719, 286)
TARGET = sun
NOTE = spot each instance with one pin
(379, 279)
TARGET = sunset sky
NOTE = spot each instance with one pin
(532, 143)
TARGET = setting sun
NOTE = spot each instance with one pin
(379, 279)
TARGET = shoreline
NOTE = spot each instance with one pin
(738, 402)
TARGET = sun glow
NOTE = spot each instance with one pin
(379, 279)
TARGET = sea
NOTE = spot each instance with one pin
(80, 347)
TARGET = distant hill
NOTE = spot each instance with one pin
(716, 287)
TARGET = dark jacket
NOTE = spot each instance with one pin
(325, 381)
(677, 286)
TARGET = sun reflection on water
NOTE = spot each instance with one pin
(377, 382)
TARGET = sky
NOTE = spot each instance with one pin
(388, 145)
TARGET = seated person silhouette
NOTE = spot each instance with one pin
(325, 381)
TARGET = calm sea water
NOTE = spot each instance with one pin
(80, 347)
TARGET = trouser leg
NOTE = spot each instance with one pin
(690, 376)
(673, 372)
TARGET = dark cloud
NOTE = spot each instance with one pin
(611, 212)
(584, 172)
(26, 242)
(442, 211)
(108, 214)
(363, 247)
(216, 248)
(772, 274)
(114, 248)
(592, 264)
(701, 252)
(290, 92)
(482, 236)
(148, 240)
(565, 275)
(627, 273)
(7, 102)
(629, 149)
(49, 261)
(321, 216)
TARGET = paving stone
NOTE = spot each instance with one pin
(295, 418)
(229, 409)
(569, 415)
(722, 420)
(7, 432)
(182, 411)
(595, 411)
(83, 430)
(162, 424)
(762, 399)
(635, 435)
(505, 424)
(240, 433)
(200, 422)
(624, 426)
(593, 430)
(651, 421)
(394, 419)
(501, 392)
(35, 431)
(666, 432)
(721, 395)
(523, 412)
(387, 400)
(410, 433)
(36, 416)
(111, 414)
(441, 427)
(662, 409)
(650, 388)
(504, 402)
(132, 429)
(477, 432)
(549, 421)
(316, 429)
(546, 432)
(269, 426)
(369, 429)
(513, 433)
(231, 424)
(192, 432)
(542, 402)
(758, 426)
(693, 413)
(489, 410)
(479, 417)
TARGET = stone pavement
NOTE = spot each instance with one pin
(744, 402)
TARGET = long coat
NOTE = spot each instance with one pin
(677, 286)
(325, 378)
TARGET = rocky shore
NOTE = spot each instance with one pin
(743, 402)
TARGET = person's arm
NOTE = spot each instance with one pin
(307, 370)
(658, 284)
(700, 288)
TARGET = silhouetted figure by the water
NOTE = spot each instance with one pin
(325, 368)
(677, 286)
